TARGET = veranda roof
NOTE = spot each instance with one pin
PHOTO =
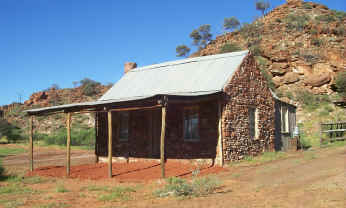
(188, 77)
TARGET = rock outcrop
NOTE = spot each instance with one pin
(300, 44)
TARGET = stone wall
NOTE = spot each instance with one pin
(247, 88)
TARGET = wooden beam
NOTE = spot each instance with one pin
(31, 144)
(109, 144)
(162, 144)
(220, 139)
(68, 143)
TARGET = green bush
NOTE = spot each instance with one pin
(306, 5)
(230, 47)
(341, 15)
(199, 186)
(79, 137)
(89, 87)
(340, 30)
(296, 22)
(325, 18)
(251, 30)
(11, 132)
(340, 83)
(316, 42)
(310, 101)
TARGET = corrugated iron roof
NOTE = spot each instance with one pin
(188, 77)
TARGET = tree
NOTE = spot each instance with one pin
(262, 6)
(182, 50)
(340, 83)
(231, 23)
(201, 36)
(196, 37)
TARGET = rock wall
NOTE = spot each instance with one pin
(247, 88)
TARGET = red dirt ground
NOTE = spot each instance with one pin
(126, 172)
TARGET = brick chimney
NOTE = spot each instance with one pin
(129, 66)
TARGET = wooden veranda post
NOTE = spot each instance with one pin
(220, 133)
(162, 143)
(109, 144)
(31, 148)
(68, 143)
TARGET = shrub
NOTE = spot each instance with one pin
(340, 83)
(325, 18)
(231, 23)
(269, 79)
(79, 137)
(340, 30)
(341, 15)
(306, 5)
(296, 22)
(11, 132)
(182, 50)
(251, 30)
(199, 186)
(313, 32)
(255, 50)
(89, 87)
(118, 194)
(230, 47)
(201, 36)
(316, 42)
(262, 6)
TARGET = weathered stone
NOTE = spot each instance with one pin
(277, 81)
(290, 78)
(318, 80)
(278, 68)
(303, 69)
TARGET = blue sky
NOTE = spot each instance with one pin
(45, 42)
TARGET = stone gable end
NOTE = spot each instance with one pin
(247, 89)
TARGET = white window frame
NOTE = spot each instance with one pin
(284, 119)
(255, 135)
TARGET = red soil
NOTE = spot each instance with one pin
(126, 172)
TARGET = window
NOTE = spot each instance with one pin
(191, 124)
(253, 123)
(284, 119)
(123, 126)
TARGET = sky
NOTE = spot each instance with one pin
(46, 42)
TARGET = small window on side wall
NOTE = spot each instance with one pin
(284, 119)
(123, 126)
(191, 124)
(253, 123)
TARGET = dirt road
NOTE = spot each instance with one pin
(313, 178)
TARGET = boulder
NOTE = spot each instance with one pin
(317, 80)
(303, 69)
(290, 78)
(277, 81)
(278, 68)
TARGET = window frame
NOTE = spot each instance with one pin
(120, 115)
(256, 132)
(284, 119)
(194, 110)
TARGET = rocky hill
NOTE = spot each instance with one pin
(89, 90)
(300, 44)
